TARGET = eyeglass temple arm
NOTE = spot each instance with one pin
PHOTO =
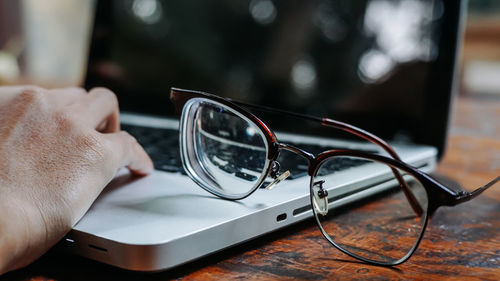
(464, 196)
(352, 130)
(384, 145)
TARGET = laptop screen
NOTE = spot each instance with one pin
(386, 66)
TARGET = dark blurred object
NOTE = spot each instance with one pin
(481, 51)
(9, 20)
(10, 40)
(386, 66)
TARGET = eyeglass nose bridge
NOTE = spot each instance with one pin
(274, 172)
(307, 155)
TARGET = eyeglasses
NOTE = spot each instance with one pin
(230, 153)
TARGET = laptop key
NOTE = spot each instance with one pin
(169, 168)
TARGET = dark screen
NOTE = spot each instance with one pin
(376, 64)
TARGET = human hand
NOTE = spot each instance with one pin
(58, 150)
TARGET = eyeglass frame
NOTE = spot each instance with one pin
(438, 194)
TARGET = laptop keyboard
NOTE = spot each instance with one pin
(162, 145)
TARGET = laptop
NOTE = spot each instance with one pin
(388, 67)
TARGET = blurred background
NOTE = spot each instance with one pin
(481, 49)
(46, 43)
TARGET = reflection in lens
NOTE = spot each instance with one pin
(227, 152)
(383, 227)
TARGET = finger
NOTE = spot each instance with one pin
(66, 96)
(99, 109)
(129, 153)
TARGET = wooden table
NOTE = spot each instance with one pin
(460, 243)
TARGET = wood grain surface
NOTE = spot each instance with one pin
(461, 243)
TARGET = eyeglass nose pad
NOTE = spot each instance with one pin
(276, 176)
(277, 180)
(320, 198)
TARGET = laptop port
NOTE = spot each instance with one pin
(281, 217)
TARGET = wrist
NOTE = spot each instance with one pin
(5, 243)
(12, 234)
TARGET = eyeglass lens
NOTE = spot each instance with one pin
(228, 152)
(382, 228)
